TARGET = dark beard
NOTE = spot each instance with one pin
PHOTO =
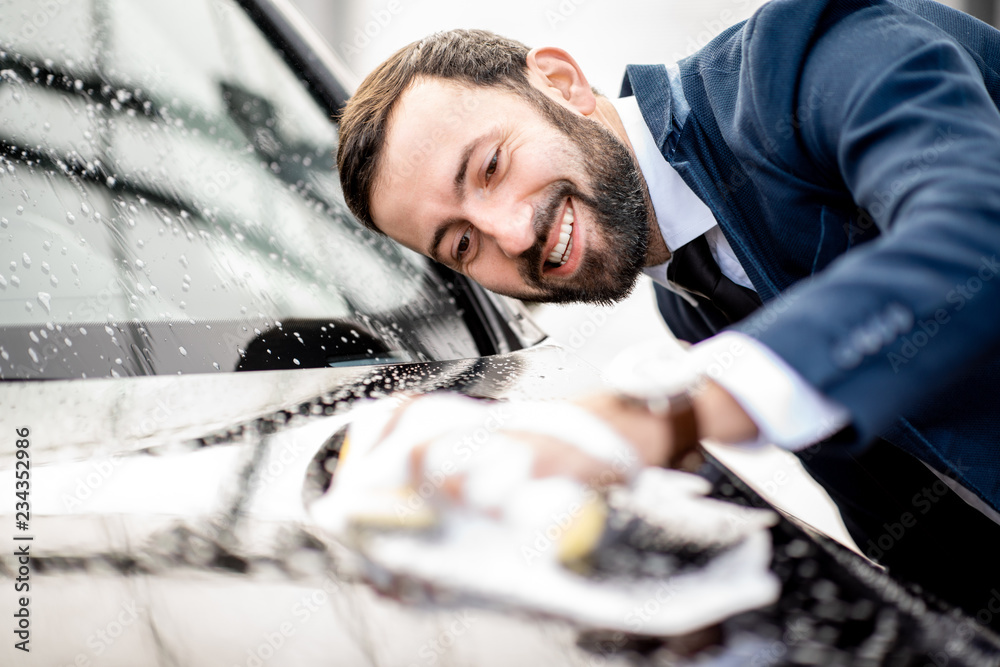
(617, 204)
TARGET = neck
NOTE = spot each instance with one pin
(606, 114)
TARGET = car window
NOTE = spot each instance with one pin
(169, 203)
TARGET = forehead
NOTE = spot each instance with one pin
(431, 126)
(435, 113)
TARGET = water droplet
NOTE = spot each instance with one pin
(33, 355)
(84, 208)
(70, 218)
(296, 362)
(110, 181)
(3, 222)
(83, 331)
(15, 281)
(215, 365)
(45, 299)
(118, 361)
(111, 332)
(20, 209)
(139, 263)
(182, 350)
(53, 280)
(45, 267)
(47, 245)
(75, 268)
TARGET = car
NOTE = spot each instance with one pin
(189, 317)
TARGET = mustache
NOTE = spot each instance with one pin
(543, 223)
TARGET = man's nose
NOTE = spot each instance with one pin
(513, 229)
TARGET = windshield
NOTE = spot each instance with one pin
(169, 203)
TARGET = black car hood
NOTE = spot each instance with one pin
(74, 419)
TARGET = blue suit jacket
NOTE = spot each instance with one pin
(850, 151)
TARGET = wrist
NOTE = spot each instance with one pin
(720, 416)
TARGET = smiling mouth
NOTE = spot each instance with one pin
(564, 246)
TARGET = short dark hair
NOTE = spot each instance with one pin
(472, 57)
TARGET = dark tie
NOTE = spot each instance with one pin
(693, 268)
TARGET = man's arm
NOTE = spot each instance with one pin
(914, 136)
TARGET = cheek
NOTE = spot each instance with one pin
(494, 270)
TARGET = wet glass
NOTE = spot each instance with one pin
(169, 203)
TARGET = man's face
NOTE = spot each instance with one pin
(526, 197)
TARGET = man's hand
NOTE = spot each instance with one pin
(651, 435)
(718, 415)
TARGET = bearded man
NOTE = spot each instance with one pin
(816, 194)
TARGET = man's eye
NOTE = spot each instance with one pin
(491, 169)
(464, 242)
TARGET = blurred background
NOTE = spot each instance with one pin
(603, 36)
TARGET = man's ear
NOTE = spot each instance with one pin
(556, 74)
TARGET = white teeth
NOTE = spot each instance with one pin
(560, 253)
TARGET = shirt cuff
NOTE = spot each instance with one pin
(788, 411)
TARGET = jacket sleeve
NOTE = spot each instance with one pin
(912, 133)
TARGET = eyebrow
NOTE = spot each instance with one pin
(438, 235)
(459, 186)
(463, 167)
